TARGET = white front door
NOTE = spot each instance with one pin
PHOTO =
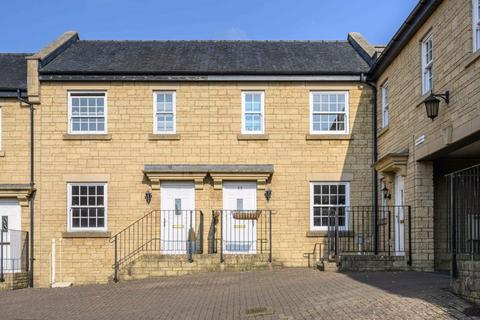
(399, 215)
(240, 236)
(10, 237)
(177, 204)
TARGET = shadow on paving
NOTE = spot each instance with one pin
(425, 288)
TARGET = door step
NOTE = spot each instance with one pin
(157, 265)
(327, 266)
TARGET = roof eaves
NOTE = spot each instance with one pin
(407, 30)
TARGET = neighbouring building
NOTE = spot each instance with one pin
(170, 157)
(422, 162)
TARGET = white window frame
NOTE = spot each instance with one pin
(385, 104)
(347, 203)
(347, 112)
(427, 66)
(105, 111)
(174, 111)
(262, 111)
(476, 25)
(69, 206)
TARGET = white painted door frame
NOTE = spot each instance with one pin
(10, 218)
(399, 215)
(177, 205)
(239, 236)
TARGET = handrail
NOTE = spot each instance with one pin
(170, 231)
(308, 255)
(112, 238)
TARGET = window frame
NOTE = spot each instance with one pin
(262, 112)
(174, 111)
(105, 111)
(427, 66)
(476, 24)
(385, 88)
(70, 228)
(346, 112)
(346, 206)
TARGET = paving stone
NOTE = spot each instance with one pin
(293, 293)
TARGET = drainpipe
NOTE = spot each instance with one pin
(32, 185)
(374, 158)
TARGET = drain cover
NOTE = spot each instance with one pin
(472, 312)
(259, 311)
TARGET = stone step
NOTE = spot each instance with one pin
(327, 266)
(158, 265)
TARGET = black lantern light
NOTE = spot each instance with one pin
(148, 196)
(268, 194)
(432, 104)
(386, 194)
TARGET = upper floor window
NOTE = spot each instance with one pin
(87, 112)
(385, 104)
(164, 110)
(253, 112)
(329, 112)
(87, 206)
(476, 25)
(328, 198)
(427, 64)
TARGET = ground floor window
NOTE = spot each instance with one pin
(327, 198)
(87, 206)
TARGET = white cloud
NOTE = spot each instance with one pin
(234, 33)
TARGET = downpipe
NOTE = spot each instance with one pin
(363, 79)
(31, 200)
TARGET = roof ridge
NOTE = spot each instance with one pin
(232, 41)
(15, 53)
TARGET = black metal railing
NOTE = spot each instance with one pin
(160, 231)
(13, 252)
(464, 217)
(241, 232)
(366, 230)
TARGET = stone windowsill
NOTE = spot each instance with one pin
(328, 137)
(105, 137)
(87, 234)
(472, 58)
(166, 136)
(382, 131)
(324, 233)
(257, 137)
(2, 153)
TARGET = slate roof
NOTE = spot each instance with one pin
(207, 58)
(13, 72)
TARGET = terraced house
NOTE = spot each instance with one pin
(153, 158)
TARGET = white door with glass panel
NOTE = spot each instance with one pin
(399, 215)
(239, 235)
(177, 204)
(11, 238)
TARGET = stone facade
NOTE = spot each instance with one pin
(456, 69)
(208, 125)
(467, 284)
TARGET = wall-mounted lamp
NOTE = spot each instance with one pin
(386, 193)
(432, 103)
(148, 196)
(268, 194)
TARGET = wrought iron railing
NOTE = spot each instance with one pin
(13, 252)
(365, 230)
(464, 218)
(159, 231)
(241, 232)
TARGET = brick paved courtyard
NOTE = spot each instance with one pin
(279, 294)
